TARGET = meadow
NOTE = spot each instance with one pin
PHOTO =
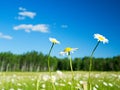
(69, 80)
(61, 80)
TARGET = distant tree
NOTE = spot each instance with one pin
(37, 61)
(86, 62)
(77, 64)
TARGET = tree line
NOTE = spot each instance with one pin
(36, 61)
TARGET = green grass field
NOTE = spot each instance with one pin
(58, 81)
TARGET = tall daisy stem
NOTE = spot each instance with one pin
(71, 70)
(90, 66)
(49, 59)
(49, 65)
(71, 66)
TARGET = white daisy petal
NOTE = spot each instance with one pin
(101, 38)
(74, 49)
(53, 40)
(62, 53)
(68, 50)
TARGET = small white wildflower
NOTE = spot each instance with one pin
(61, 84)
(19, 84)
(56, 84)
(53, 79)
(45, 77)
(105, 83)
(69, 83)
(14, 75)
(94, 88)
(110, 84)
(43, 85)
(97, 75)
(59, 73)
(32, 79)
(119, 76)
(81, 82)
(12, 80)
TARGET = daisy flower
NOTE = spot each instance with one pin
(68, 50)
(53, 40)
(101, 38)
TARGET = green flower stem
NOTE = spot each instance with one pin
(49, 65)
(90, 67)
(49, 59)
(37, 84)
(71, 66)
(71, 69)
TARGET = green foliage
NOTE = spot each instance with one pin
(34, 61)
(30, 81)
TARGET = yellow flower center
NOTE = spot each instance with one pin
(54, 41)
(101, 38)
(68, 49)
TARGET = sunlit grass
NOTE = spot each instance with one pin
(28, 81)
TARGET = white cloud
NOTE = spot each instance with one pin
(24, 13)
(27, 14)
(64, 26)
(29, 27)
(5, 36)
(21, 8)
(40, 27)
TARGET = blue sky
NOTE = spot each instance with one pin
(26, 25)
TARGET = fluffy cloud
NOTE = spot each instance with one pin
(27, 14)
(64, 26)
(29, 27)
(24, 13)
(5, 36)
